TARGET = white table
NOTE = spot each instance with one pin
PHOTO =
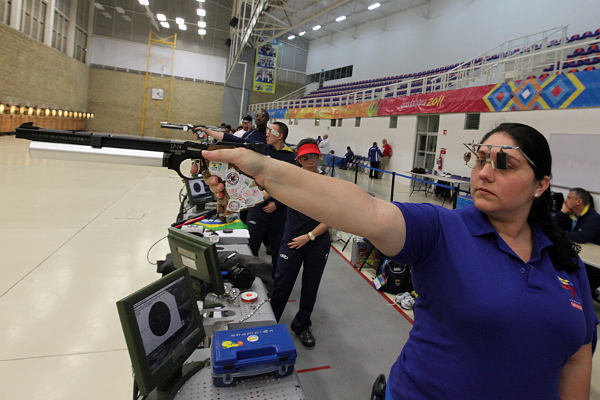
(590, 254)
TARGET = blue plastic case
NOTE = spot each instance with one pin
(253, 351)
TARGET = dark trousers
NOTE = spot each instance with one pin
(593, 274)
(314, 256)
(373, 173)
(261, 223)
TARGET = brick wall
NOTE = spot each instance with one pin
(117, 100)
(37, 75)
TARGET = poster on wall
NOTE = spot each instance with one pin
(265, 66)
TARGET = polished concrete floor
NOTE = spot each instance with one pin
(75, 238)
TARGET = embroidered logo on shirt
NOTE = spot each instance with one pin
(566, 284)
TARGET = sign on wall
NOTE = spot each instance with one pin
(265, 67)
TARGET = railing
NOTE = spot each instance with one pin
(531, 59)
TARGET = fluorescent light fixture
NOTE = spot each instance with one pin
(182, 27)
(201, 24)
(291, 37)
(201, 12)
(161, 17)
(200, 1)
(201, 31)
(316, 27)
(107, 15)
(165, 24)
(126, 17)
(144, 2)
(179, 21)
(119, 10)
(373, 6)
(98, 6)
(302, 33)
(340, 18)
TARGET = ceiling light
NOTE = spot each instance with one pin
(120, 10)
(161, 17)
(201, 24)
(201, 31)
(144, 2)
(200, 1)
(316, 27)
(291, 37)
(107, 15)
(99, 6)
(302, 33)
(201, 12)
(182, 27)
(373, 6)
(179, 21)
(165, 24)
(126, 17)
(340, 18)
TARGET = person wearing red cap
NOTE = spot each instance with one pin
(305, 241)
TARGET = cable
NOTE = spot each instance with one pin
(148, 253)
(255, 310)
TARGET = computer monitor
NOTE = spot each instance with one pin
(198, 254)
(162, 327)
(198, 193)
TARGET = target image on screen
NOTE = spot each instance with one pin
(162, 327)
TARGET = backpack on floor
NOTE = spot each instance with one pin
(394, 278)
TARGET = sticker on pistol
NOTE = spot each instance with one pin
(234, 205)
(218, 168)
(232, 177)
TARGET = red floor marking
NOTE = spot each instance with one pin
(408, 318)
(312, 369)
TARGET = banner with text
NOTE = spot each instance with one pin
(365, 109)
(265, 67)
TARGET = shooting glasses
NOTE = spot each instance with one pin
(473, 160)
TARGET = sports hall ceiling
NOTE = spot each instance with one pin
(280, 17)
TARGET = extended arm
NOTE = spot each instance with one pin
(333, 202)
(214, 134)
(574, 381)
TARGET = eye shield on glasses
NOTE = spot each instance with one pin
(500, 161)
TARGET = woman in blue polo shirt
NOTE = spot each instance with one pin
(504, 308)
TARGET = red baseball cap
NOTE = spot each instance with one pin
(308, 148)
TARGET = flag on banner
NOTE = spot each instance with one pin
(265, 66)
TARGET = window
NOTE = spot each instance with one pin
(357, 122)
(59, 32)
(317, 121)
(394, 122)
(5, 11)
(32, 18)
(472, 121)
(81, 33)
(332, 122)
(339, 123)
(338, 73)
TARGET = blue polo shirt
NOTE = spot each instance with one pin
(487, 325)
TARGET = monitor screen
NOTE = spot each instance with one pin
(198, 193)
(198, 254)
(162, 327)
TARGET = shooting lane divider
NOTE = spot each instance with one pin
(406, 316)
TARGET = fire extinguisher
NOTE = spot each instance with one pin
(440, 161)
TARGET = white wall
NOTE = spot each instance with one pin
(133, 55)
(443, 33)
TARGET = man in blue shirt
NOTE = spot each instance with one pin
(375, 159)
(256, 135)
(347, 157)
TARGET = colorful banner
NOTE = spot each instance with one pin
(449, 101)
(546, 92)
(365, 109)
(265, 67)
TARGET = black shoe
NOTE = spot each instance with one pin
(307, 338)
(378, 391)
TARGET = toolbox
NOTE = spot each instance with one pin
(241, 353)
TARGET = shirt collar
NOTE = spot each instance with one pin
(479, 225)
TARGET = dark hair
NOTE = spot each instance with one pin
(584, 195)
(563, 252)
(283, 129)
(247, 118)
(374, 143)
